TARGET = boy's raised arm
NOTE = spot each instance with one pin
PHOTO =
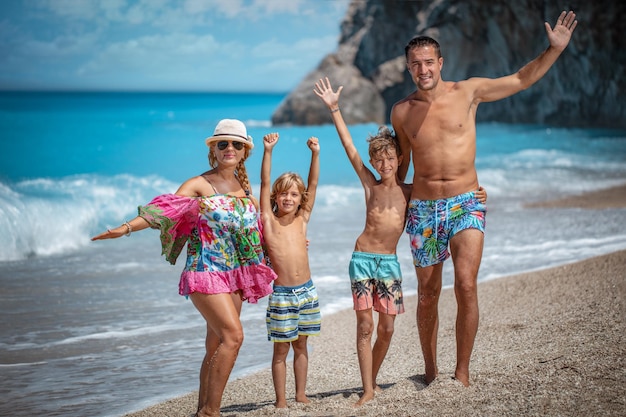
(325, 92)
(314, 172)
(269, 141)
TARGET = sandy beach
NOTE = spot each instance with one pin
(599, 199)
(550, 342)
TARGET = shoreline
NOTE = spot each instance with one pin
(550, 342)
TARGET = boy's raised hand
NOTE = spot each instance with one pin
(313, 144)
(270, 140)
(324, 90)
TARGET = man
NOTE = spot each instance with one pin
(436, 124)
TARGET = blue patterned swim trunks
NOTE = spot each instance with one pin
(432, 223)
(293, 312)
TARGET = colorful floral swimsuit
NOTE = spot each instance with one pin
(223, 237)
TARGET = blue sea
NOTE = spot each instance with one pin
(98, 328)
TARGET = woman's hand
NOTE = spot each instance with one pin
(124, 230)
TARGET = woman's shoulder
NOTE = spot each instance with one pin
(196, 187)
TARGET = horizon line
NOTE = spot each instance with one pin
(156, 91)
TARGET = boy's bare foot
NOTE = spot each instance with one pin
(302, 399)
(463, 379)
(200, 413)
(430, 377)
(367, 396)
(280, 404)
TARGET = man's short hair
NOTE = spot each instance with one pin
(421, 41)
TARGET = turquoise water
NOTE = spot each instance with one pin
(99, 329)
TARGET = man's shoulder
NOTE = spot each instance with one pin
(406, 99)
(400, 109)
(469, 83)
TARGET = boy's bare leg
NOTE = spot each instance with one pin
(428, 291)
(364, 330)
(384, 332)
(466, 248)
(300, 367)
(279, 372)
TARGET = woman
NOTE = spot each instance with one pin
(216, 215)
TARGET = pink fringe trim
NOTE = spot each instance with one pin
(255, 281)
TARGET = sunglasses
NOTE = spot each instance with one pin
(223, 144)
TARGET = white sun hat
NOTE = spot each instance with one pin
(230, 129)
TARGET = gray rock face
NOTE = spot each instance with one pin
(486, 38)
(361, 101)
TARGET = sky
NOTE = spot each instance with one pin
(165, 45)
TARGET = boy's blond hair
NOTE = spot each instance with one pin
(383, 141)
(285, 182)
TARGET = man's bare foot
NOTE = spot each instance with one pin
(302, 399)
(367, 396)
(377, 388)
(280, 404)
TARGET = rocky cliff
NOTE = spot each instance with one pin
(487, 38)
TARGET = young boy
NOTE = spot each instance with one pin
(293, 311)
(375, 275)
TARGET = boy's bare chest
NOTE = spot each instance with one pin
(385, 199)
(292, 230)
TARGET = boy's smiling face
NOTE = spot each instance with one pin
(289, 200)
(386, 163)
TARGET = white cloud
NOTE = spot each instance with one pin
(72, 9)
(152, 53)
(228, 8)
(208, 44)
(303, 48)
(62, 46)
(280, 6)
(182, 60)
(113, 9)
